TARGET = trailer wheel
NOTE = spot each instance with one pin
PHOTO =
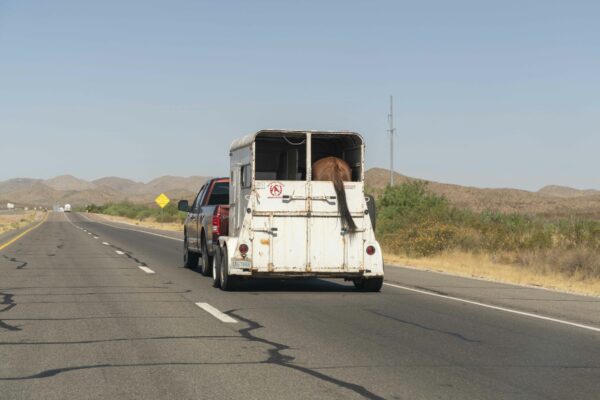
(228, 283)
(206, 260)
(372, 210)
(190, 259)
(216, 268)
(368, 285)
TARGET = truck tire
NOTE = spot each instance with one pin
(228, 283)
(206, 260)
(372, 210)
(216, 268)
(190, 259)
(368, 284)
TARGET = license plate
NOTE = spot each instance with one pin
(240, 264)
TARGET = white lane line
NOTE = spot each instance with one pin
(106, 243)
(89, 233)
(508, 310)
(96, 237)
(119, 252)
(216, 313)
(134, 230)
(146, 269)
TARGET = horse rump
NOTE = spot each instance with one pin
(337, 171)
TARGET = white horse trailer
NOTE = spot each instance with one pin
(282, 224)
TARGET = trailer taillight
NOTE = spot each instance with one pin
(370, 250)
(243, 249)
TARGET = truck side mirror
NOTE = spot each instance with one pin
(183, 205)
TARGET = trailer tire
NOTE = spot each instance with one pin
(206, 260)
(216, 269)
(228, 282)
(368, 284)
(372, 210)
(190, 259)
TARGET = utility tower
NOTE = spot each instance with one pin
(392, 132)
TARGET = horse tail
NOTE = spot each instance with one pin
(338, 185)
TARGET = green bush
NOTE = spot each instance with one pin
(416, 222)
(140, 212)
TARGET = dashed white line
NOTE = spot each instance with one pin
(216, 313)
(134, 230)
(508, 310)
(119, 252)
(96, 237)
(146, 269)
(106, 243)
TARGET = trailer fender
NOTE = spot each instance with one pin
(374, 263)
(230, 243)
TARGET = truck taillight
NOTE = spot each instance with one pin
(216, 224)
(243, 249)
(370, 250)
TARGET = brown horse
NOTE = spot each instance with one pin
(337, 171)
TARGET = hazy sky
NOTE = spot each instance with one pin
(496, 94)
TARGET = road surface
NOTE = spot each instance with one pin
(80, 319)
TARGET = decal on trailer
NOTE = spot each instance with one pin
(275, 190)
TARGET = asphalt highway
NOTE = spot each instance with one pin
(105, 311)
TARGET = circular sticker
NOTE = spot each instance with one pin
(276, 189)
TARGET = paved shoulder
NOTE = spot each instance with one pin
(582, 309)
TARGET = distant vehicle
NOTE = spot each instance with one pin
(67, 208)
(207, 220)
(61, 209)
(10, 206)
(284, 224)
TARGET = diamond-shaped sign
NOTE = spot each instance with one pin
(162, 200)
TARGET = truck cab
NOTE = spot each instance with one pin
(207, 219)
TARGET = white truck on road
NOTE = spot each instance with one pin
(284, 224)
(67, 208)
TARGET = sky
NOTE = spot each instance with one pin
(488, 94)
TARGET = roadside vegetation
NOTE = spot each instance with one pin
(140, 212)
(417, 225)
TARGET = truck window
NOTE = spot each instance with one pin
(220, 194)
(198, 199)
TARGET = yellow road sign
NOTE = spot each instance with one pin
(162, 200)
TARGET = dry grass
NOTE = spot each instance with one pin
(147, 223)
(540, 274)
(9, 222)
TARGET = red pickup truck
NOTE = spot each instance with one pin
(207, 219)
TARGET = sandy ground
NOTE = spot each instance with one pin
(9, 222)
(482, 267)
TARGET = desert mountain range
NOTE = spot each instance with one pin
(69, 189)
(550, 200)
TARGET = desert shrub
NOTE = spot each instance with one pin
(416, 222)
(140, 211)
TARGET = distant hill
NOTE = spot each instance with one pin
(550, 200)
(116, 183)
(68, 182)
(69, 189)
(504, 200)
(17, 184)
(566, 192)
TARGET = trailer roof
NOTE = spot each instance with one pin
(247, 140)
